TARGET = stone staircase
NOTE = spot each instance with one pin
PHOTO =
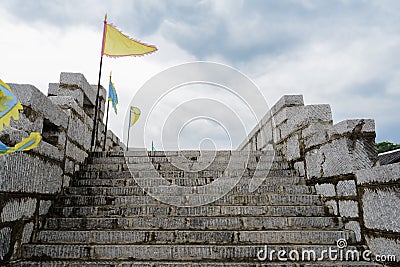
(186, 209)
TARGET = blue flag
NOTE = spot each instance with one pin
(112, 95)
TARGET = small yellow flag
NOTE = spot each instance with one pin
(135, 114)
(117, 44)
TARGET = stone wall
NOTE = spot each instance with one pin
(30, 181)
(327, 155)
(379, 191)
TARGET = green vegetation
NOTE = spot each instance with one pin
(386, 146)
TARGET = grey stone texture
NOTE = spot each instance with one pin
(327, 190)
(381, 174)
(385, 247)
(346, 188)
(5, 239)
(355, 227)
(381, 209)
(348, 208)
(16, 209)
(121, 221)
(35, 178)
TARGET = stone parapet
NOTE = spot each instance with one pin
(338, 159)
(31, 181)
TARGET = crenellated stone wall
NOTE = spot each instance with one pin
(332, 157)
(31, 181)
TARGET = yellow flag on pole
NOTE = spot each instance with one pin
(134, 116)
(117, 44)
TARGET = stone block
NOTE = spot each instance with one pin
(332, 159)
(28, 121)
(31, 96)
(75, 93)
(78, 81)
(299, 167)
(75, 153)
(266, 131)
(363, 153)
(381, 209)
(27, 233)
(346, 188)
(5, 239)
(23, 172)
(315, 135)
(355, 227)
(292, 148)
(359, 126)
(16, 209)
(381, 174)
(348, 208)
(287, 101)
(384, 246)
(67, 102)
(69, 167)
(333, 204)
(79, 132)
(44, 206)
(327, 190)
(285, 113)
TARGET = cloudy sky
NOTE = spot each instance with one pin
(344, 52)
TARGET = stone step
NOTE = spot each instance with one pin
(192, 200)
(148, 174)
(177, 160)
(129, 211)
(185, 153)
(105, 263)
(195, 223)
(122, 181)
(187, 167)
(170, 190)
(171, 237)
(185, 252)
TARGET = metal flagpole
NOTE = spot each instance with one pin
(129, 127)
(95, 124)
(105, 130)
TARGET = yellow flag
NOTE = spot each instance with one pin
(135, 114)
(117, 44)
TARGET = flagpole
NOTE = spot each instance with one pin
(129, 127)
(105, 131)
(95, 123)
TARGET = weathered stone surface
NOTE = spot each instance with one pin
(17, 209)
(381, 209)
(5, 239)
(79, 132)
(293, 148)
(332, 159)
(78, 81)
(44, 206)
(352, 127)
(327, 190)
(27, 233)
(287, 101)
(333, 205)
(348, 208)
(346, 188)
(31, 96)
(22, 172)
(380, 174)
(75, 153)
(384, 247)
(355, 227)
(75, 92)
(299, 167)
